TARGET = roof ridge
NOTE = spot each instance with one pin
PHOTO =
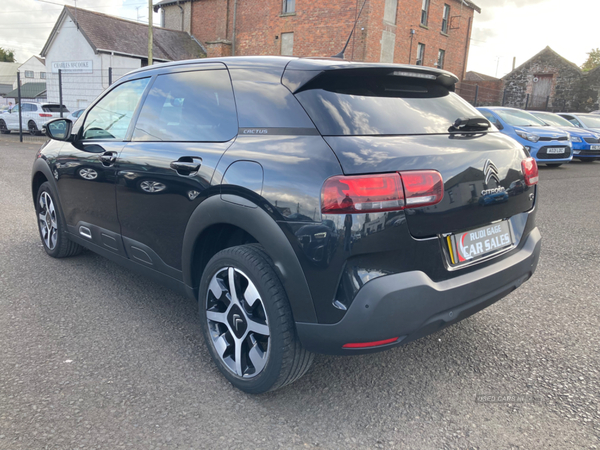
(122, 19)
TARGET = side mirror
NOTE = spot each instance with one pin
(59, 129)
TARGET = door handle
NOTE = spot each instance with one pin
(108, 158)
(186, 165)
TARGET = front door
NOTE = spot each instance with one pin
(542, 87)
(187, 122)
(86, 168)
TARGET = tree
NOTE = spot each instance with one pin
(7, 55)
(592, 61)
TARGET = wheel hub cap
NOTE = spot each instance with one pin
(237, 322)
(47, 221)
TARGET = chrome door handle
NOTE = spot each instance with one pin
(185, 166)
(108, 158)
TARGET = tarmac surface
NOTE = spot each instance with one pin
(93, 356)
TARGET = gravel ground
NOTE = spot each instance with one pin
(95, 357)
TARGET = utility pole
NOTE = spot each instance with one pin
(150, 32)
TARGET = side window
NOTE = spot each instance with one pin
(28, 107)
(111, 116)
(189, 106)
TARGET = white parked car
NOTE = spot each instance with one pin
(33, 116)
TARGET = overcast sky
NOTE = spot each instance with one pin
(504, 29)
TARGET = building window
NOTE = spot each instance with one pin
(445, 19)
(389, 14)
(424, 12)
(441, 57)
(29, 74)
(420, 54)
(287, 44)
(289, 6)
(43, 75)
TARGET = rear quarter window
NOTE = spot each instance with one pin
(382, 105)
(189, 106)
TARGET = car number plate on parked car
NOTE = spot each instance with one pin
(594, 147)
(554, 150)
(475, 244)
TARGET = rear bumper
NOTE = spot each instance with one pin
(410, 305)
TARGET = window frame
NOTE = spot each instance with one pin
(134, 115)
(43, 75)
(281, 44)
(425, 12)
(29, 74)
(203, 67)
(420, 54)
(288, 7)
(442, 58)
(445, 18)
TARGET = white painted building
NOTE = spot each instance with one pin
(32, 71)
(88, 47)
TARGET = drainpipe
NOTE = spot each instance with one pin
(233, 31)
(466, 48)
(182, 14)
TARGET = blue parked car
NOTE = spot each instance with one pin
(585, 142)
(548, 145)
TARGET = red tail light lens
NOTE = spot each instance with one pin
(364, 193)
(380, 193)
(530, 171)
(422, 188)
(45, 115)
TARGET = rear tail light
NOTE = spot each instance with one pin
(45, 115)
(380, 193)
(530, 171)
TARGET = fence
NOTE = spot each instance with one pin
(484, 96)
(75, 91)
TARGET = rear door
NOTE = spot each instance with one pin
(385, 120)
(187, 122)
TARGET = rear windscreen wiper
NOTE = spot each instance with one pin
(470, 124)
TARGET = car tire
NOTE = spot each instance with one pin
(51, 225)
(32, 127)
(250, 331)
(554, 165)
(3, 128)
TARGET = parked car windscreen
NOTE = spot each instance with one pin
(554, 120)
(382, 105)
(590, 121)
(518, 118)
(54, 108)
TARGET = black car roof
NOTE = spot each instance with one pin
(316, 65)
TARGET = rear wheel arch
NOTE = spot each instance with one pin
(217, 222)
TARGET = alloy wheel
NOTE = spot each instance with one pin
(47, 221)
(237, 322)
(88, 174)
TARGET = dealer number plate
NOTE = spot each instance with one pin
(475, 244)
(555, 150)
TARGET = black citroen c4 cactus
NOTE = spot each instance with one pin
(308, 205)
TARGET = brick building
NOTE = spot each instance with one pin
(429, 32)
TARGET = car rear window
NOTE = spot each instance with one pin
(363, 105)
(54, 108)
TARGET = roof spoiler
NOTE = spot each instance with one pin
(300, 72)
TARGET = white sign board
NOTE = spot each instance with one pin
(73, 66)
